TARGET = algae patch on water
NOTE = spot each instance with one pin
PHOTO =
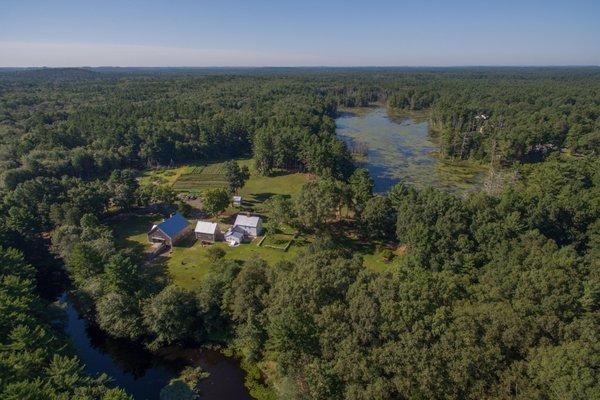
(400, 149)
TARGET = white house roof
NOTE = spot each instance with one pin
(237, 198)
(206, 227)
(244, 220)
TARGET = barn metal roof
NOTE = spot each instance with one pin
(173, 225)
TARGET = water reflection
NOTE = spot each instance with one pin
(403, 151)
(142, 373)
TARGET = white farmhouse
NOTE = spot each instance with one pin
(252, 226)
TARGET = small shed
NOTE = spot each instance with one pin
(235, 235)
(171, 231)
(237, 200)
(252, 225)
(207, 231)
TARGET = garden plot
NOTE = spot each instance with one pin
(201, 177)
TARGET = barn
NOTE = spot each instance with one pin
(171, 231)
(207, 231)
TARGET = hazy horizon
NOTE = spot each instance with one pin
(234, 33)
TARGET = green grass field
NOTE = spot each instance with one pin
(187, 263)
(133, 231)
(163, 176)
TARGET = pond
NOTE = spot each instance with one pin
(142, 373)
(402, 150)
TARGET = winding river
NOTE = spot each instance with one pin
(142, 373)
(396, 151)
(401, 150)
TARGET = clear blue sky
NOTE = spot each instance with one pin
(295, 33)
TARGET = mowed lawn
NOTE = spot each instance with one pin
(187, 263)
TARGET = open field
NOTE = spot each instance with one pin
(132, 231)
(277, 240)
(200, 178)
(163, 176)
(187, 262)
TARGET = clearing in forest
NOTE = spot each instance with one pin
(199, 178)
(188, 262)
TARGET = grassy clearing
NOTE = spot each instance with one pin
(200, 178)
(163, 176)
(278, 240)
(188, 263)
(371, 251)
(133, 231)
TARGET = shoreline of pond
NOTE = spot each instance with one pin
(399, 147)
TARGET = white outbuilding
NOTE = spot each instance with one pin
(207, 231)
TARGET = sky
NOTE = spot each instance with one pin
(61, 33)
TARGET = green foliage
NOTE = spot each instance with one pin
(186, 386)
(171, 316)
(122, 275)
(119, 315)
(495, 298)
(281, 211)
(177, 389)
(361, 188)
(215, 201)
(317, 203)
(214, 254)
(236, 176)
(84, 262)
(33, 363)
(377, 219)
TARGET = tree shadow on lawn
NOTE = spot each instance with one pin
(186, 243)
(345, 235)
(280, 172)
(130, 233)
(155, 274)
(262, 197)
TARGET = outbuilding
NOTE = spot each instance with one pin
(207, 231)
(171, 231)
(235, 235)
(238, 201)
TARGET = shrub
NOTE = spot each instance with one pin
(214, 254)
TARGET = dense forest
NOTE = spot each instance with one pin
(497, 296)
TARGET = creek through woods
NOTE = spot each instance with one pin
(142, 373)
(397, 150)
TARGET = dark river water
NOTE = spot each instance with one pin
(142, 373)
(402, 150)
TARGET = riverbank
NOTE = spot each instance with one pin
(143, 373)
